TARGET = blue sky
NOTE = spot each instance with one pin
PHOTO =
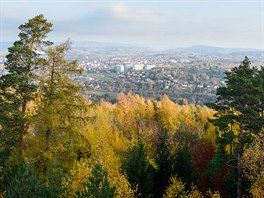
(156, 24)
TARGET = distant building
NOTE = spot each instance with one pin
(172, 61)
(128, 67)
(119, 68)
(147, 67)
(138, 67)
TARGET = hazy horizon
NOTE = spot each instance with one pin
(152, 24)
(109, 45)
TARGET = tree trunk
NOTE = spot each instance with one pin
(231, 143)
(239, 154)
(21, 134)
(48, 131)
(20, 146)
(239, 178)
(47, 135)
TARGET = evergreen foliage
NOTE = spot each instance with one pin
(20, 181)
(182, 165)
(139, 170)
(98, 185)
(239, 112)
(17, 88)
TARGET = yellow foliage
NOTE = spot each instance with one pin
(213, 194)
(187, 115)
(168, 114)
(257, 188)
(195, 193)
(132, 114)
(153, 163)
(104, 144)
(79, 174)
(175, 188)
(252, 165)
(115, 128)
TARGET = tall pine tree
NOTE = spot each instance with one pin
(237, 107)
(17, 87)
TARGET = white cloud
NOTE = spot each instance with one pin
(134, 14)
(119, 8)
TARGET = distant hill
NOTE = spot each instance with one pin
(93, 44)
(122, 48)
(82, 44)
(217, 51)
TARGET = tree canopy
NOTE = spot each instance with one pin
(55, 142)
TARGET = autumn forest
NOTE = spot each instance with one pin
(54, 142)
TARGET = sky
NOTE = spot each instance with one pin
(159, 24)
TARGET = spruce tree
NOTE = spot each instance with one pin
(98, 185)
(139, 170)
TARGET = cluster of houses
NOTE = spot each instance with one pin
(134, 67)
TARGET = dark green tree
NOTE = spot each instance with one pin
(139, 170)
(261, 100)
(221, 175)
(182, 165)
(164, 161)
(98, 185)
(17, 87)
(238, 116)
(162, 145)
(20, 181)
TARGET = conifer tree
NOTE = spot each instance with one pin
(139, 170)
(98, 185)
(20, 181)
(17, 87)
(60, 111)
(238, 104)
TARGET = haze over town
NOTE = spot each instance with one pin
(155, 24)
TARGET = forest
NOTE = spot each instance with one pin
(54, 142)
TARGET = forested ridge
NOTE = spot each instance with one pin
(54, 142)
